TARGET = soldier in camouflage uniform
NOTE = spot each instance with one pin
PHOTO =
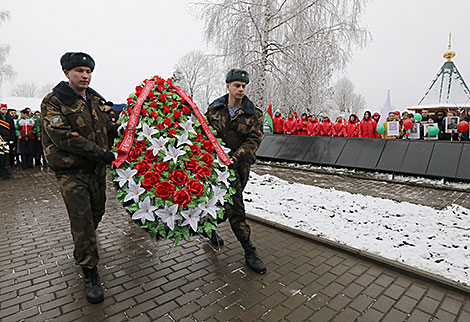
(240, 125)
(76, 131)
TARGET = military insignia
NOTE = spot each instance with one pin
(243, 74)
(84, 58)
(56, 120)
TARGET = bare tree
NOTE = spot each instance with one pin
(291, 47)
(199, 75)
(25, 89)
(45, 89)
(6, 71)
(344, 100)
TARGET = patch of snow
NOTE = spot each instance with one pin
(437, 241)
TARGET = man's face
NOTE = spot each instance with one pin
(3, 111)
(391, 115)
(424, 113)
(36, 116)
(13, 113)
(24, 115)
(236, 89)
(79, 77)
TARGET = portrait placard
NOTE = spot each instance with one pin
(426, 128)
(451, 123)
(393, 129)
(415, 131)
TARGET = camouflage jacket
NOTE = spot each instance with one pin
(75, 131)
(242, 133)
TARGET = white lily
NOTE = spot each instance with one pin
(147, 132)
(125, 176)
(145, 212)
(169, 215)
(134, 191)
(158, 144)
(217, 159)
(219, 193)
(223, 176)
(173, 154)
(183, 139)
(191, 217)
(208, 207)
(188, 126)
(124, 126)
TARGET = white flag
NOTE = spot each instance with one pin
(387, 107)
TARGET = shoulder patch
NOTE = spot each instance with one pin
(56, 120)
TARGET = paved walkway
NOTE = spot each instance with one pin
(146, 280)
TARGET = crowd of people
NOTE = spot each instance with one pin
(22, 133)
(367, 127)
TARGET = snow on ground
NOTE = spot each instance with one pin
(433, 240)
(379, 175)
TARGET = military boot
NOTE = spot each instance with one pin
(216, 240)
(93, 291)
(252, 258)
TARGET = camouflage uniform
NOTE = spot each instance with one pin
(242, 134)
(75, 138)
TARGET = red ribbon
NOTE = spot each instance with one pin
(123, 150)
(222, 155)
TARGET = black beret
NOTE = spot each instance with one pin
(237, 75)
(71, 60)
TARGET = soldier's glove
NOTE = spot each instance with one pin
(108, 157)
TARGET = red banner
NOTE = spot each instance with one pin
(222, 155)
(126, 145)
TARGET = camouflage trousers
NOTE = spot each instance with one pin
(84, 196)
(236, 212)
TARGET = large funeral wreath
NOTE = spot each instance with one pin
(172, 182)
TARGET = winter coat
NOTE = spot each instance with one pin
(242, 133)
(338, 128)
(313, 128)
(302, 127)
(326, 128)
(278, 125)
(367, 129)
(351, 129)
(290, 127)
(26, 129)
(7, 128)
(75, 131)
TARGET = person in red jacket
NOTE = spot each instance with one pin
(368, 127)
(313, 126)
(326, 127)
(302, 125)
(338, 127)
(278, 123)
(290, 125)
(351, 128)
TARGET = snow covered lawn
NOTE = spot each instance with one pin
(437, 241)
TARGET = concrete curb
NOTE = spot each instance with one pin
(407, 269)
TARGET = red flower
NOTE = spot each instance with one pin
(142, 167)
(195, 149)
(182, 197)
(140, 145)
(172, 133)
(179, 177)
(161, 167)
(176, 114)
(144, 112)
(174, 103)
(129, 111)
(130, 100)
(167, 122)
(164, 189)
(195, 187)
(186, 110)
(207, 159)
(161, 88)
(160, 81)
(154, 115)
(162, 98)
(191, 165)
(151, 96)
(182, 101)
(202, 172)
(166, 109)
(150, 157)
(151, 180)
(153, 104)
(160, 126)
(199, 137)
(138, 89)
(133, 155)
(207, 145)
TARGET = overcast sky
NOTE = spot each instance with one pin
(131, 41)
